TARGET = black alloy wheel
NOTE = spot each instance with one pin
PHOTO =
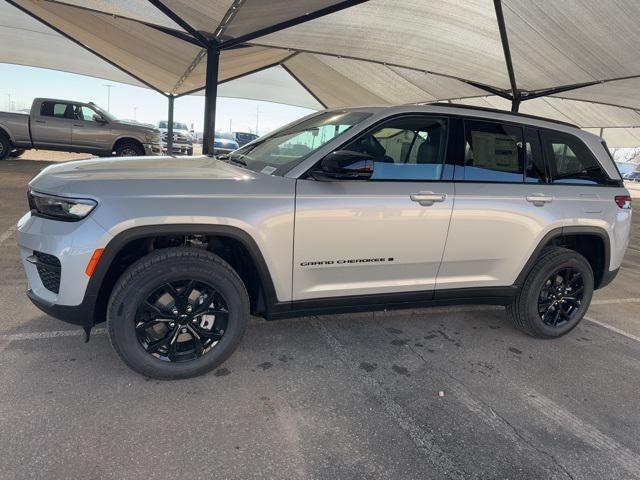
(181, 320)
(561, 297)
(177, 313)
(555, 294)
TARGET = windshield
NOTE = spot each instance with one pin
(103, 112)
(176, 125)
(284, 148)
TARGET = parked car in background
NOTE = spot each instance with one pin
(345, 210)
(71, 126)
(182, 138)
(244, 137)
(224, 145)
(632, 177)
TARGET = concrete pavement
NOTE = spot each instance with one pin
(435, 393)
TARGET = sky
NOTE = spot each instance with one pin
(20, 85)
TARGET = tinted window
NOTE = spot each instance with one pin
(493, 152)
(570, 161)
(410, 148)
(535, 171)
(53, 109)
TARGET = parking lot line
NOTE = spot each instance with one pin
(613, 329)
(50, 334)
(585, 432)
(615, 301)
(6, 235)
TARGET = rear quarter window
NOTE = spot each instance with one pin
(570, 161)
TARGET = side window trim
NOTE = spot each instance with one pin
(533, 134)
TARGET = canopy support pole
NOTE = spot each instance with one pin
(170, 126)
(210, 98)
(515, 94)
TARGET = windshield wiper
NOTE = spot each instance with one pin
(227, 157)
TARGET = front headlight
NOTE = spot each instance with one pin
(154, 137)
(70, 209)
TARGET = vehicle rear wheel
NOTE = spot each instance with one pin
(129, 149)
(555, 295)
(5, 146)
(177, 313)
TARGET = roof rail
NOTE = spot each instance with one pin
(496, 110)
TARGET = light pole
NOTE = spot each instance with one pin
(9, 102)
(135, 111)
(109, 87)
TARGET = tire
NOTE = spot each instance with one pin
(5, 146)
(152, 273)
(190, 152)
(528, 311)
(129, 149)
(17, 152)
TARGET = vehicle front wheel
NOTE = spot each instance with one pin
(177, 313)
(555, 295)
(129, 149)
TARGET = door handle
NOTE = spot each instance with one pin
(539, 199)
(40, 121)
(78, 125)
(427, 198)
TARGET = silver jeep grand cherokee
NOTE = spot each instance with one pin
(344, 210)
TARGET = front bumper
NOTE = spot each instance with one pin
(73, 244)
(222, 151)
(179, 148)
(151, 149)
(82, 314)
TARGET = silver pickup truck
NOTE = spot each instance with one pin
(75, 127)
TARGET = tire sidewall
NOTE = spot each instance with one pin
(5, 147)
(535, 284)
(125, 302)
(133, 146)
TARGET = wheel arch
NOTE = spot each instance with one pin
(590, 241)
(4, 131)
(106, 273)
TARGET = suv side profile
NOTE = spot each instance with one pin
(344, 210)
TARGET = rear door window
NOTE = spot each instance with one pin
(493, 152)
(570, 161)
(55, 109)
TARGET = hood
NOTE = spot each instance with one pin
(142, 126)
(135, 174)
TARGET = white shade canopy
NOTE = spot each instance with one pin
(574, 60)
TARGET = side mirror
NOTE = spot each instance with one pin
(345, 165)
(98, 119)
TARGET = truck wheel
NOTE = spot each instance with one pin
(5, 146)
(17, 152)
(177, 313)
(555, 295)
(129, 149)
